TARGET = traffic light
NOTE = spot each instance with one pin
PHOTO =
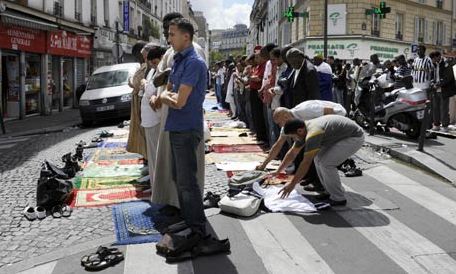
(381, 11)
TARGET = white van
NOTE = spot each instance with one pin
(107, 94)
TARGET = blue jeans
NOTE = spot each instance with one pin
(218, 92)
(184, 146)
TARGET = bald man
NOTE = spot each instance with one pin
(307, 110)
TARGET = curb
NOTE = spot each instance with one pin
(56, 255)
(39, 131)
(414, 161)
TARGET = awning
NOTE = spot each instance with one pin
(17, 19)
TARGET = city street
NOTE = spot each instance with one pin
(106, 108)
(398, 219)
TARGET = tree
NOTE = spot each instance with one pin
(216, 56)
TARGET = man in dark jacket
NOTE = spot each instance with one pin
(445, 87)
(304, 83)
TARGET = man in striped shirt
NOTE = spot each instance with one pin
(422, 69)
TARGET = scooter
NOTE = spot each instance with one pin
(400, 108)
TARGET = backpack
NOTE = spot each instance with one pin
(52, 191)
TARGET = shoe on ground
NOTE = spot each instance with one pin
(40, 212)
(29, 213)
(354, 172)
(435, 128)
(322, 196)
(452, 127)
(337, 203)
(444, 130)
(312, 188)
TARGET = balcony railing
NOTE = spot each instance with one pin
(93, 20)
(375, 33)
(399, 36)
(77, 16)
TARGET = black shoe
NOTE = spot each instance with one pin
(312, 188)
(337, 203)
(211, 200)
(354, 172)
(322, 196)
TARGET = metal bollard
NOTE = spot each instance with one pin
(372, 123)
(2, 122)
(424, 125)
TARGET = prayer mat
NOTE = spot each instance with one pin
(110, 182)
(233, 141)
(236, 148)
(134, 222)
(112, 171)
(278, 180)
(240, 130)
(212, 158)
(113, 154)
(115, 145)
(224, 134)
(103, 197)
(117, 162)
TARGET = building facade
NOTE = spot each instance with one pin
(230, 40)
(354, 33)
(48, 48)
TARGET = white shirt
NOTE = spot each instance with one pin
(324, 68)
(267, 73)
(149, 117)
(312, 109)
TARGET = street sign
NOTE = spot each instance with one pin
(126, 16)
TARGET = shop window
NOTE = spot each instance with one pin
(68, 89)
(32, 84)
(10, 85)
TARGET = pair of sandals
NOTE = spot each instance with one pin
(59, 211)
(103, 258)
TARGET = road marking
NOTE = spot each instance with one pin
(281, 246)
(422, 195)
(41, 269)
(403, 245)
(141, 258)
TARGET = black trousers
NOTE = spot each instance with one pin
(258, 118)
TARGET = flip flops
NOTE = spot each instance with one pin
(106, 134)
(103, 258)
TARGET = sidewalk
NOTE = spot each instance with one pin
(42, 124)
(438, 157)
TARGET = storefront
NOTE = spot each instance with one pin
(21, 53)
(104, 47)
(348, 49)
(40, 70)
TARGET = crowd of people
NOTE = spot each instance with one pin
(252, 87)
(295, 105)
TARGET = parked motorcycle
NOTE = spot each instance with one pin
(400, 108)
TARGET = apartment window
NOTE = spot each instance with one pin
(77, 10)
(422, 1)
(297, 28)
(399, 26)
(419, 29)
(58, 8)
(439, 4)
(106, 7)
(376, 25)
(120, 14)
(93, 12)
(440, 33)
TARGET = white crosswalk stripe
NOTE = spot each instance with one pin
(42, 269)
(142, 258)
(424, 196)
(399, 242)
(282, 247)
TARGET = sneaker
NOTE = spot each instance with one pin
(40, 212)
(29, 213)
(444, 129)
(435, 128)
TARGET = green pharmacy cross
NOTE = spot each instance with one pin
(381, 11)
(290, 14)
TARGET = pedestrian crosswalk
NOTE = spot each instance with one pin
(10, 142)
(416, 235)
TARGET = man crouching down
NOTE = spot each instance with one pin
(330, 139)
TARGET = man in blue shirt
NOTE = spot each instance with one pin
(185, 95)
